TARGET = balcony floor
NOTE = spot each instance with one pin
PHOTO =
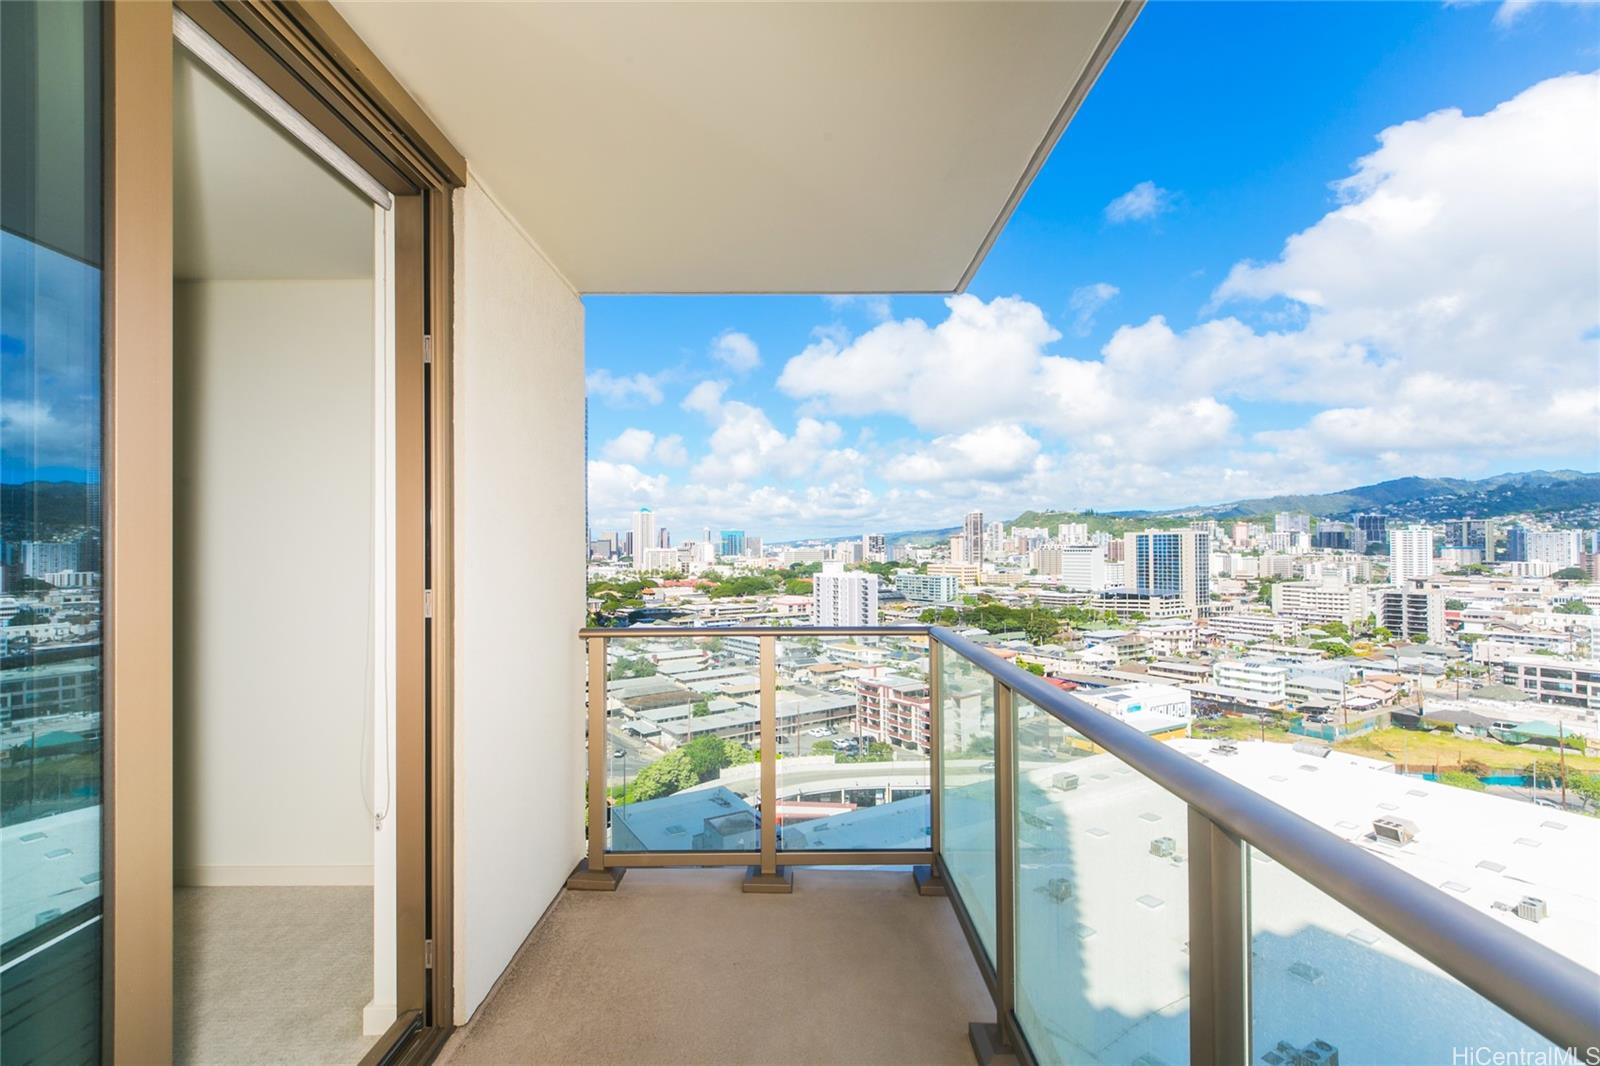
(679, 966)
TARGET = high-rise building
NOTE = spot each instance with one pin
(841, 597)
(994, 535)
(644, 534)
(1170, 563)
(876, 546)
(1073, 533)
(1410, 553)
(752, 546)
(927, 588)
(972, 530)
(732, 543)
(1560, 548)
(1291, 522)
(1081, 567)
(1339, 536)
(1410, 612)
(1374, 527)
(1471, 533)
(664, 538)
(958, 549)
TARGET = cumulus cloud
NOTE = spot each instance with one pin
(624, 390)
(1144, 201)
(1085, 303)
(1002, 452)
(736, 351)
(877, 308)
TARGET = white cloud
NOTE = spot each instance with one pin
(1144, 201)
(736, 351)
(999, 452)
(1086, 301)
(670, 451)
(630, 446)
(623, 390)
(744, 444)
(877, 308)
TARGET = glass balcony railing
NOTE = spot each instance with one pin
(1127, 899)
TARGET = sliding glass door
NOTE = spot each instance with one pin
(50, 531)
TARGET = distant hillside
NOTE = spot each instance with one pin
(1408, 497)
(44, 510)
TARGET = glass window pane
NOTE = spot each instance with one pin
(1322, 975)
(853, 743)
(50, 532)
(1102, 904)
(682, 727)
(967, 788)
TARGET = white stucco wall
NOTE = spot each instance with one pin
(519, 548)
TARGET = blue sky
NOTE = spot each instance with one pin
(1222, 284)
(49, 364)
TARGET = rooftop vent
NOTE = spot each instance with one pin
(1316, 1053)
(1533, 909)
(1058, 889)
(1306, 972)
(1306, 747)
(1163, 847)
(1226, 749)
(1492, 866)
(1399, 831)
(1065, 782)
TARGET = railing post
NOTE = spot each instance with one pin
(927, 878)
(991, 1043)
(592, 873)
(1219, 946)
(766, 877)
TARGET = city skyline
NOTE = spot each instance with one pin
(1170, 324)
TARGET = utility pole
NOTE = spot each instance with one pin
(1561, 746)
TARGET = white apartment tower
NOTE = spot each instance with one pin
(1410, 553)
(841, 597)
(1072, 533)
(644, 534)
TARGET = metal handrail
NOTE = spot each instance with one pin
(769, 857)
(1545, 989)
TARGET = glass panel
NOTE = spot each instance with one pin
(1102, 904)
(683, 721)
(50, 532)
(1325, 979)
(853, 743)
(967, 788)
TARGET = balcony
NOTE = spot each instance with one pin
(1122, 899)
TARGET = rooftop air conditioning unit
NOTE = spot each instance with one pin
(1400, 831)
(1226, 749)
(1163, 847)
(1305, 747)
(1316, 1053)
(1065, 782)
(1533, 909)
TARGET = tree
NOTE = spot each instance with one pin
(1571, 573)
(668, 774)
(1336, 629)
(700, 709)
(29, 616)
(636, 667)
(1419, 638)
(1382, 634)
(1033, 668)
(1454, 605)
(798, 586)
(1574, 607)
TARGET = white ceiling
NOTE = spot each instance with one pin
(746, 147)
(249, 200)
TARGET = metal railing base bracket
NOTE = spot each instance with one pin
(780, 882)
(584, 879)
(928, 881)
(988, 1045)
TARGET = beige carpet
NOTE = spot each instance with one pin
(271, 975)
(679, 966)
